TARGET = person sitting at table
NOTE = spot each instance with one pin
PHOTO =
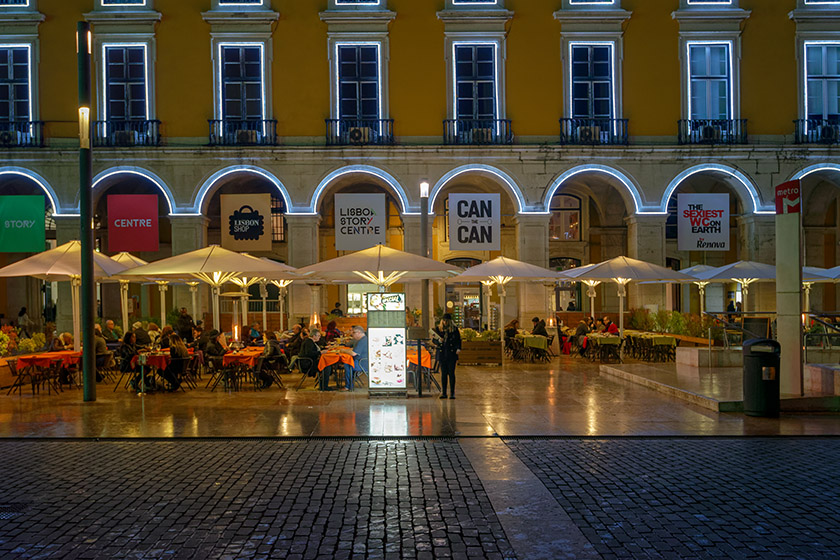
(62, 342)
(539, 327)
(359, 353)
(108, 332)
(127, 353)
(141, 336)
(309, 349)
(179, 354)
(332, 332)
(215, 345)
(200, 338)
(272, 354)
(103, 355)
(255, 334)
(598, 327)
(294, 343)
(154, 334)
(512, 328)
(609, 326)
(166, 337)
(580, 336)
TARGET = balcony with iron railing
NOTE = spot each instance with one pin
(239, 132)
(21, 134)
(593, 132)
(713, 131)
(126, 133)
(817, 131)
(477, 132)
(360, 132)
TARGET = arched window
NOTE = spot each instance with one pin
(565, 218)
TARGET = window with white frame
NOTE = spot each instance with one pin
(710, 81)
(16, 3)
(476, 93)
(358, 81)
(15, 83)
(592, 80)
(825, 2)
(565, 218)
(123, 2)
(709, 2)
(358, 2)
(822, 83)
(593, 2)
(474, 2)
(125, 82)
(241, 82)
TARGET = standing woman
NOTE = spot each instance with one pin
(449, 347)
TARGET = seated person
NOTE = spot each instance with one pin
(309, 349)
(360, 357)
(127, 353)
(272, 354)
(216, 346)
(108, 332)
(254, 335)
(539, 327)
(332, 332)
(179, 354)
(609, 326)
(295, 342)
(512, 328)
(141, 336)
(154, 334)
(580, 334)
(62, 342)
(103, 355)
(165, 337)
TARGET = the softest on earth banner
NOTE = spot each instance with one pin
(133, 223)
(703, 222)
(246, 222)
(22, 224)
(475, 222)
(361, 221)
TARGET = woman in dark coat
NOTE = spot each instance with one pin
(449, 346)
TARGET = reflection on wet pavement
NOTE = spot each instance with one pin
(565, 397)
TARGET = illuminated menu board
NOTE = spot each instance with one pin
(386, 341)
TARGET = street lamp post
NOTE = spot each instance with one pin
(83, 50)
(424, 284)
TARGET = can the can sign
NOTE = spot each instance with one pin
(789, 197)
(475, 222)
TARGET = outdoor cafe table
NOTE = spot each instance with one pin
(246, 357)
(157, 359)
(45, 359)
(603, 346)
(426, 360)
(534, 341)
(331, 357)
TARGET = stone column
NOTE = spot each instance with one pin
(613, 244)
(66, 230)
(188, 234)
(412, 244)
(302, 239)
(756, 239)
(646, 242)
(532, 247)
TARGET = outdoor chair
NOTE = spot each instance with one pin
(303, 365)
(178, 367)
(550, 342)
(19, 376)
(275, 366)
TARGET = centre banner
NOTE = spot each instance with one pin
(361, 221)
(475, 222)
(246, 222)
(133, 223)
(703, 222)
(22, 225)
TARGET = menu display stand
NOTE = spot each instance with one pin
(386, 344)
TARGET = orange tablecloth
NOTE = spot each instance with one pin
(45, 359)
(411, 354)
(246, 357)
(330, 358)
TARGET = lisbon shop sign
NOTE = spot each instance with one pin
(475, 222)
(246, 222)
(703, 222)
(361, 221)
(22, 224)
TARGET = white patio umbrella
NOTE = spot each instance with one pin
(743, 272)
(622, 271)
(129, 261)
(212, 265)
(592, 284)
(62, 264)
(274, 271)
(693, 271)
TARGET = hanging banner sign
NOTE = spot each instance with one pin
(703, 222)
(789, 197)
(22, 224)
(475, 222)
(133, 223)
(246, 222)
(361, 221)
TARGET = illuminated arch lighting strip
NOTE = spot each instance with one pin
(507, 181)
(405, 209)
(148, 175)
(219, 175)
(745, 182)
(815, 169)
(38, 180)
(638, 207)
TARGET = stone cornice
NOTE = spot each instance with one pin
(711, 20)
(123, 17)
(475, 20)
(240, 20)
(592, 20)
(20, 23)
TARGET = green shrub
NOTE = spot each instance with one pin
(490, 336)
(468, 334)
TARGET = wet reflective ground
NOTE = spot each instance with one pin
(566, 397)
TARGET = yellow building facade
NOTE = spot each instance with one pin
(588, 117)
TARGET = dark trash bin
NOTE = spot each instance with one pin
(761, 377)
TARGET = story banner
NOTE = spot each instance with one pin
(22, 225)
(475, 222)
(133, 223)
(361, 221)
(703, 222)
(246, 222)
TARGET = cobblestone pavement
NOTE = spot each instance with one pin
(244, 499)
(696, 498)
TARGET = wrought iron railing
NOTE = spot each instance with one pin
(238, 132)
(713, 131)
(477, 131)
(604, 132)
(21, 134)
(126, 133)
(359, 132)
(817, 131)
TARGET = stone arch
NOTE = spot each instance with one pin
(626, 186)
(387, 180)
(42, 183)
(499, 176)
(743, 186)
(214, 181)
(101, 179)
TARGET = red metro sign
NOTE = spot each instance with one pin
(789, 198)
